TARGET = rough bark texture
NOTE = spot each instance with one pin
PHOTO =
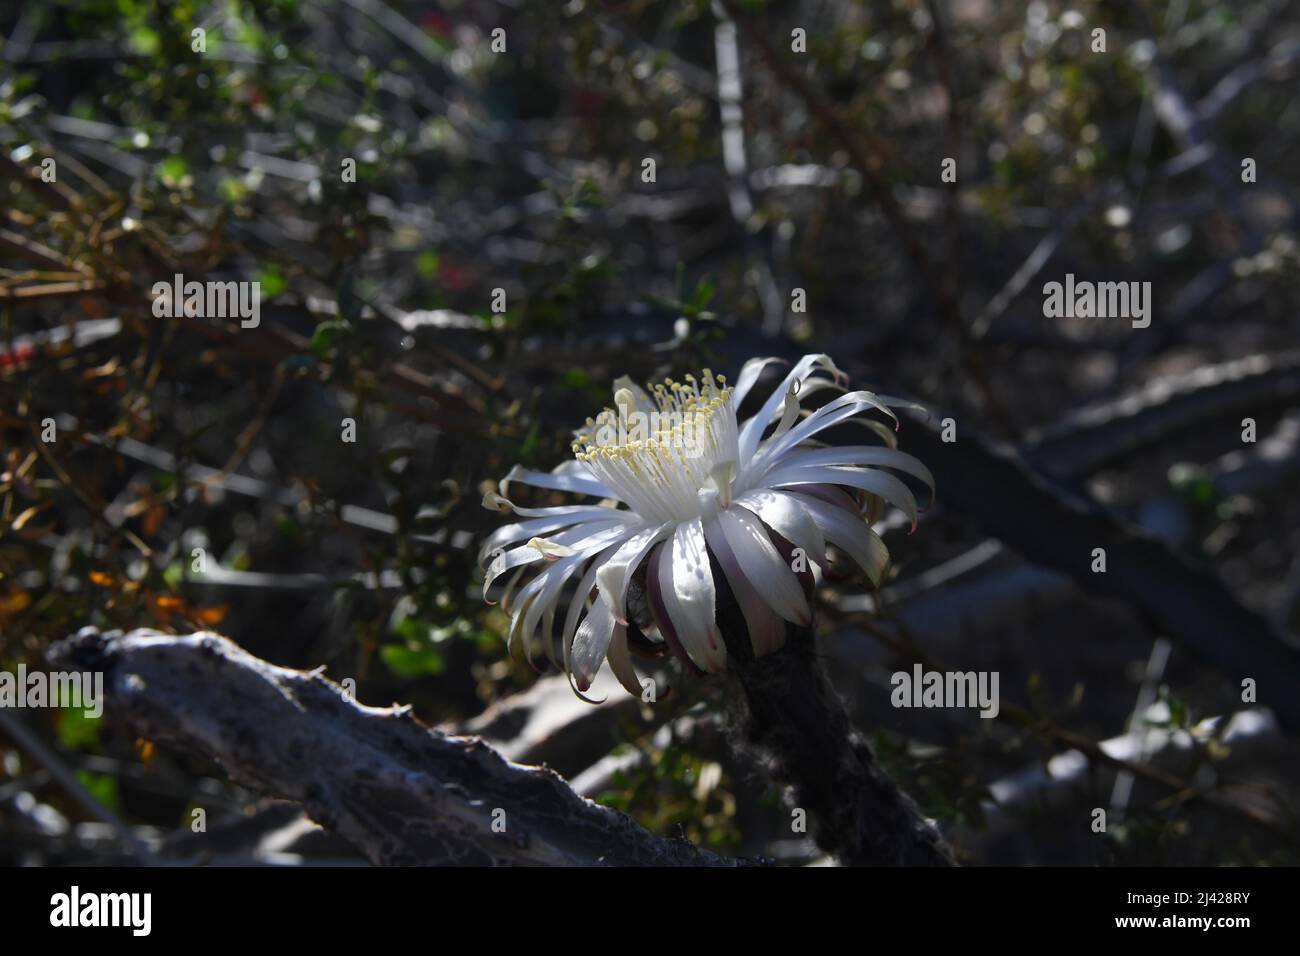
(796, 720)
(400, 792)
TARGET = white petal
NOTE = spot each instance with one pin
(616, 573)
(579, 600)
(766, 629)
(832, 413)
(763, 566)
(848, 531)
(860, 455)
(495, 502)
(547, 585)
(749, 374)
(868, 479)
(509, 534)
(590, 644)
(571, 479)
(686, 587)
(753, 429)
(550, 550)
(582, 539)
(787, 516)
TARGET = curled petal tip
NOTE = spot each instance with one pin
(550, 550)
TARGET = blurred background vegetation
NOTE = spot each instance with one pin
(522, 171)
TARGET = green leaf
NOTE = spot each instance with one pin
(704, 292)
(102, 787)
(326, 334)
(427, 264)
(173, 170)
(576, 378)
(407, 662)
(145, 41)
(76, 730)
(174, 575)
(273, 283)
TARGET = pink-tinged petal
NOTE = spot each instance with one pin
(766, 629)
(847, 530)
(762, 565)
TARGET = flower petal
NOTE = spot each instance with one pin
(547, 586)
(590, 644)
(868, 479)
(749, 373)
(686, 585)
(570, 479)
(616, 573)
(861, 455)
(582, 539)
(753, 429)
(654, 592)
(832, 413)
(511, 533)
(766, 629)
(762, 565)
(784, 514)
(847, 530)
(620, 662)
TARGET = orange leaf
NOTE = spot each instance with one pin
(147, 750)
(210, 615)
(152, 519)
(13, 602)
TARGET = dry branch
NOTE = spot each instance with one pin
(400, 792)
(1058, 528)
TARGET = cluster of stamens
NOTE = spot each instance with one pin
(659, 454)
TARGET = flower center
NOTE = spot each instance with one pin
(668, 455)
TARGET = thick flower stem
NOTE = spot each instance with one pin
(797, 720)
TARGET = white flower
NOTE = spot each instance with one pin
(673, 480)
